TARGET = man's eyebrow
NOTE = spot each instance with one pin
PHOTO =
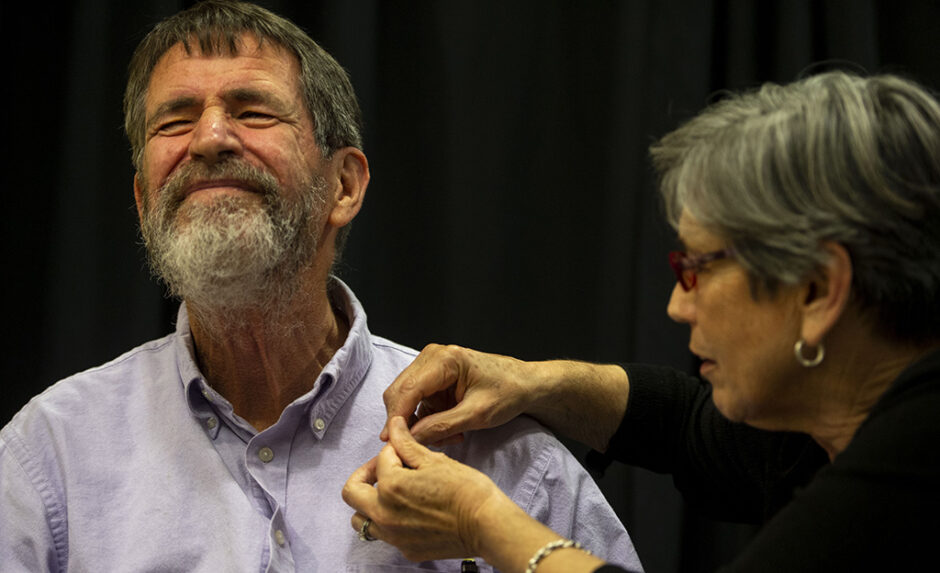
(249, 95)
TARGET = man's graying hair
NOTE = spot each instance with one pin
(216, 26)
(833, 157)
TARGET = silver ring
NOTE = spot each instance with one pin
(364, 531)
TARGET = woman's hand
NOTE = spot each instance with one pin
(422, 502)
(457, 389)
(432, 507)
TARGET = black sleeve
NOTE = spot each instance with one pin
(610, 569)
(728, 471)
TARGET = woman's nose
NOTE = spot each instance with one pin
(681, 307)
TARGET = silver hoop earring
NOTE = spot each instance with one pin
(808, 362)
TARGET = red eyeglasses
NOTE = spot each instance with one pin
(686, 267)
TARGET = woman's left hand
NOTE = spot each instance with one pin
(424, 503)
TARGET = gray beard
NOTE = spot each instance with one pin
(232, 255)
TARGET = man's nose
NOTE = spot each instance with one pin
(214, 137)
(681, 307)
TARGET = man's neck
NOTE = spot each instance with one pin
(262, 367)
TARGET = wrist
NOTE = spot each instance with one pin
(565, 559)
(579, 400)
(508, 539)
(551, 547)
(505, 536)
(486, 526)
(548, 383)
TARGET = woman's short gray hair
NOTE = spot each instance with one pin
(833, 157)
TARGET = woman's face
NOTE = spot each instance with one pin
(746, 345)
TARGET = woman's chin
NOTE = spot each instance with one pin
(727, 405)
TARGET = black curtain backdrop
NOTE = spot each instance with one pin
(511, 207)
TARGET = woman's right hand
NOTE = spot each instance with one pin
(422, 502)
(432, 507)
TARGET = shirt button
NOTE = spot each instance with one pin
(319, 424)
(212, 422)
(279, 537)
(266, 454)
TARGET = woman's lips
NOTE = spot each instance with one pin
(706, 364)
(706, 368)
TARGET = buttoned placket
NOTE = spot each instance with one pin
(268, 461)
(265, 458)
(205, 410)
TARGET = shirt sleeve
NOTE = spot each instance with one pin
(541, 476)
(27, 542)
(571, 504)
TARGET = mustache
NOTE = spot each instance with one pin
(175, 190)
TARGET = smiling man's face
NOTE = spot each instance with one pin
(229, 193)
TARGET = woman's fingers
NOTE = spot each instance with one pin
(446, 426)
(358, 492)
(403, 445)
(434, 370)
(412, 497)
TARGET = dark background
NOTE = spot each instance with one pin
(511, 206)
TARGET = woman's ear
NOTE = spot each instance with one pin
(826, 295)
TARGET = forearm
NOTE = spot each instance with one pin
(579, 400)
(507, 538)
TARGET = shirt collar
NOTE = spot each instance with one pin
(341, 376)
(189, 373)
(346, 370)
(199, 395)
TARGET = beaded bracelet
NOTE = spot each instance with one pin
(549, 548)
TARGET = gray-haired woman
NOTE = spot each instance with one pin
(810, 280)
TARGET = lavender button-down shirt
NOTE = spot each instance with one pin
(139, 465)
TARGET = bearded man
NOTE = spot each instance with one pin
(225, 445)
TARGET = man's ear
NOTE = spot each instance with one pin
(351, 169)
(827, 294)
(138, 194)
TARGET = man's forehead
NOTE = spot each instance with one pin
(219, 45)
(258, 59)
